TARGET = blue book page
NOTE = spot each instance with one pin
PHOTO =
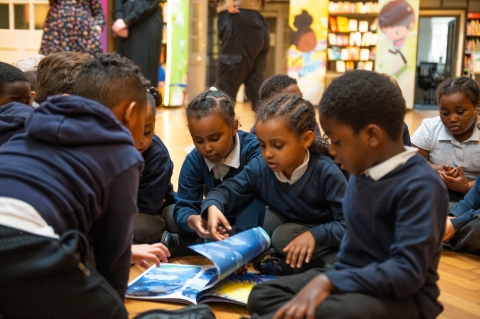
(230, 254)
(171, 282)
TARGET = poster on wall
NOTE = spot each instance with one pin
(397, 43)
(178, 17)
(307, 55)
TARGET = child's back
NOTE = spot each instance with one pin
(12, 119)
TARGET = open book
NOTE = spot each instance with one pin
(192, 284)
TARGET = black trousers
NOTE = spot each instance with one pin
(43, 277)
(245, 42)
(266, 298)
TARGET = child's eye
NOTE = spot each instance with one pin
(335, 142)
(147, 133)
(197, 141)
(444, 113)
(262, 145)
(460, 112)
(278, 146)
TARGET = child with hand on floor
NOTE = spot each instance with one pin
(451, 141)
(394, 206)
(221, 152)
(294, 177)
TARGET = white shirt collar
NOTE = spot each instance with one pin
(232, 159)
(378, 171)
(297, 173)
(446, 135)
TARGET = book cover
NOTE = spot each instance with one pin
(363, 26)
(340, 66)
(342, 23)
(344, 54)
(184, 283)
(364, 54)
(353, 53)
(332, 23)
(353, 25)
(332, 38)
(349, 66)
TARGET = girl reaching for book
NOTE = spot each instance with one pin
(294, 177)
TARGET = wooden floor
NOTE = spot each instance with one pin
(459, 274)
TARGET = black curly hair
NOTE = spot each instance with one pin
(274, 85)
(299, 116)
(10, 74)
(111, 79)
(210, 102)
(359, 98)
(463, 85)
(154, 98)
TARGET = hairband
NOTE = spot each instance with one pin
(214, 89)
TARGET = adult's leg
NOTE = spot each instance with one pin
(266, 298)
(47, 276)
(147, 229)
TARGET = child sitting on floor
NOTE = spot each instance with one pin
(71, 178)
(451, 142)
(295, 178)
(221, 152)
(14, 85)
(155, 193)
(395, 208)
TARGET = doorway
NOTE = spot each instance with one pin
(439, 55)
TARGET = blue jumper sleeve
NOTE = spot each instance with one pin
(190, 192)
(333, 190)
(419, 227)
(234, 191)
(466, 210)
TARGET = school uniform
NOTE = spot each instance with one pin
(443, 149)
(466, 223)
(154, 187)
(311, 199)
(61, 188)
(395, 214)
(199, 176)
(12, 119)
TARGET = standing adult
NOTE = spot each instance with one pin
(245, 42)
(138, 25)
(74, 25)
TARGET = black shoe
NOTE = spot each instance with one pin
(176, 245)
(269, 262)
(201, 311)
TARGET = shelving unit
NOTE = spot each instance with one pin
(352, 35)
(472, 40)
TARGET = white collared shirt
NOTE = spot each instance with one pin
(297, 173)
(221, 168)
(443, 148)
(378, 171)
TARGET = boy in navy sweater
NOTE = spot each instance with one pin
(12, 119)
(71, 178)
(394, 206)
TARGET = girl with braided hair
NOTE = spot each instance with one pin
(294, 177)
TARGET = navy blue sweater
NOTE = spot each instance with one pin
(196, 180)
(394, 234)
(77, 166)
(468, 207)
(155, 185)
(12, 119)
(315, 199)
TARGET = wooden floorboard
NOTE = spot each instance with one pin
(459, 273)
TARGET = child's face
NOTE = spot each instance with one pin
(292, 89)
(212, 136)
(281, 148)
(396, 33)
(350, 150)
(137, 123)
(458, 115)
(15, 92)
(148, 131)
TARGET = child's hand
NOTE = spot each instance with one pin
(242, 270)
(300, 249)
(196, 223)
(143, 253)
(231, 7)
(218, 225)
(449, 229)
(455, 180)
(307, 300)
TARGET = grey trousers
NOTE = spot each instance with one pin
(148, 229)
(467, 239)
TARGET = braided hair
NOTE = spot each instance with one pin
(211, 102)
(154, 98)
(463, 85)
(299, 116)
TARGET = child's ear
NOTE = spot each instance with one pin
(235, 127)
(307, 138)
(374, 135)
(130, 114)
(476, 108)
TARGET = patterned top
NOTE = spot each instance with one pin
(71, 26)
